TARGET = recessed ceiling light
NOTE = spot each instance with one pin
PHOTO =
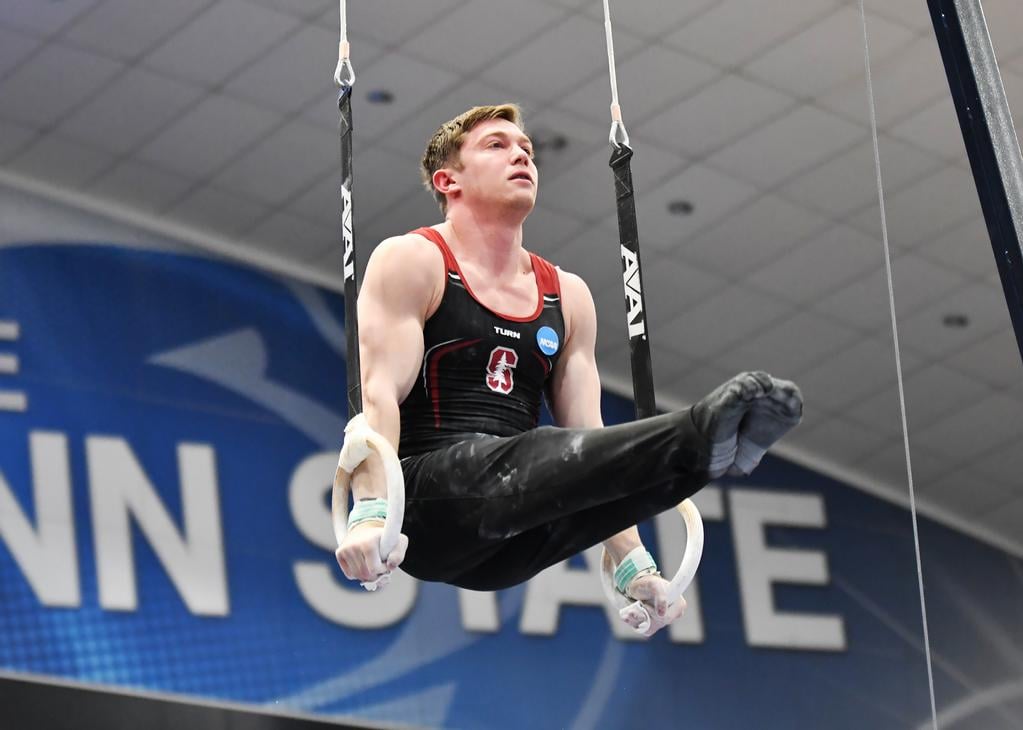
(680, 207)
(379, 96)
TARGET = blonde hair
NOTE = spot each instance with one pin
(447, 141)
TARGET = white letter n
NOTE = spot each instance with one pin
(195, 563)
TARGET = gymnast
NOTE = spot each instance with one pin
(462, 333)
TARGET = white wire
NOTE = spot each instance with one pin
(898, 364)
(344, 74)
(618, 136)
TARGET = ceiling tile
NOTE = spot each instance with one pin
(62, 162)
(828, 261)
(574, 47)
(140, 186)
(593, 255)
(582, 138)
(966, 248)
(735, 30)
(712, 195)
(414, 209)
(648, 18)
(220, 41)
(752, 236)
(1003, 22)
(587, 189)
(293, 74)
(282, 164)
(127, 29)
(43, 91)
(994, 360)
(218, 211)
(389, 21)
(44, 18)
(848, 182)
(480, 32)
(673, 76)
(925, 331)
(672, 288)
(13, 138)
(934, 128)
(903, 83)
(889, 465)
(128, 110)
(413, 85)
(942, 200)
(835, 438)
(292, 237)
(835, 45)
(15, 48)
(932, 393)
(385, 178)
(714, 116)
(804, 138)
(209, 135)
(321, 202)
(697, 381)
(792, 346)
(732, 314)
(910, 15)
(852, 374)
(966, 492)
(312, 9)
(546, 230)
(864, 303)
(973, 430)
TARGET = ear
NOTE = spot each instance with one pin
(445, 182)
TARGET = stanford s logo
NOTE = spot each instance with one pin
(499, 370)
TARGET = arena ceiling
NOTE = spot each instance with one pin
(216, 120)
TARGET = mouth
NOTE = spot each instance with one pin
(522, 176)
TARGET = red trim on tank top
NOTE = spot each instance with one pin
(434, 366)
(544, 273)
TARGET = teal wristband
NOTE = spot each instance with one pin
(638, 562)
(367, 509)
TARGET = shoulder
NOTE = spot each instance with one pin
(408, 266)
(576, 303)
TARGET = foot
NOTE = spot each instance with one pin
(720, 415)
(770, 418)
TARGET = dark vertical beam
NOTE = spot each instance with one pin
(990, 138)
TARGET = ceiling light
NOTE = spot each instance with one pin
(680, 207)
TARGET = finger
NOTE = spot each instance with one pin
(398, 554)
(374, 566)
(339, 554)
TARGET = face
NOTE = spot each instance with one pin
(496, 167)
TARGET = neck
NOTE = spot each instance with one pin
(493, 242)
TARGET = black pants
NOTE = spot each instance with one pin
(491, 512)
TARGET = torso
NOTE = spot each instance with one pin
(489, 350)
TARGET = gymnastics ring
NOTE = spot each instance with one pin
(360, 442)
(628, 608)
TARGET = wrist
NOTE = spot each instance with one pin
(636, 564)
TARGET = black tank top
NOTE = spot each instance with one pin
(482, 372)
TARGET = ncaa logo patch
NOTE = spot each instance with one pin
(499, 369)
(548, 340)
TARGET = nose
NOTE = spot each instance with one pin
(520, 155)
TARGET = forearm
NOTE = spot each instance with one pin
(383, 415)
(621, 544)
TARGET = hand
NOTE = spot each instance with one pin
(652, 590)
(359, 554)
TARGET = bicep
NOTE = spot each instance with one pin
(392, 305)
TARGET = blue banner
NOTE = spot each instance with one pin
(169, 426)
